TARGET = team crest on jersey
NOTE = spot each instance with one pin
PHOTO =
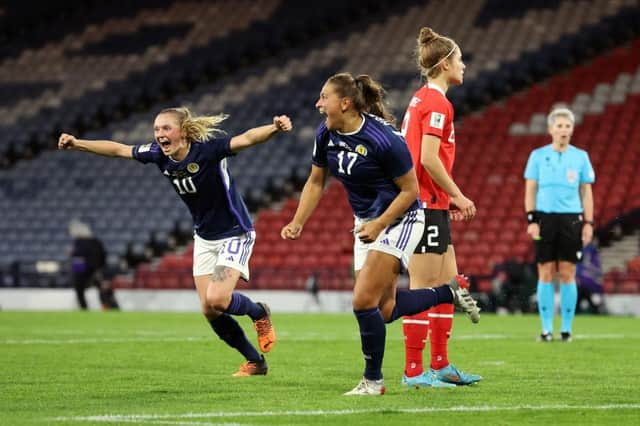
(193, 167)
(437, 120)
(360, 149)
(572, 176)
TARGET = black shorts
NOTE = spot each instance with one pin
(560, 237)
(437, 232)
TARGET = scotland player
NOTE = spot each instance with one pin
(428, 128)
(187, 154)
(559, 205)
(358, 145)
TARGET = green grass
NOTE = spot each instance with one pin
(151, 368)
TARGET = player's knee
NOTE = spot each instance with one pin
(545, 274)
(363, 300)
(218, 300)
(566, 277)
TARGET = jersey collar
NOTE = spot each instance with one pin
(185, 157)
(356, 130)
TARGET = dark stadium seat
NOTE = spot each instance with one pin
(130, 207)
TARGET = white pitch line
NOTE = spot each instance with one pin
(156, 418)
(496, 363)
(292, 337)
(99, 340)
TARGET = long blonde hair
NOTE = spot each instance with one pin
(196, 129)
(432, 50)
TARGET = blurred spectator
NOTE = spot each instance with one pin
(88, 258)
(312, 286)
(589, 277)
(513, 285)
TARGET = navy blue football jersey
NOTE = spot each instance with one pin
(205, 185)
(366, 162)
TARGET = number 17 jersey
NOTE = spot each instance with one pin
(366, 161)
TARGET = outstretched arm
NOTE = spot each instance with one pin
(309, 199)
(281, 123)
(105, 148)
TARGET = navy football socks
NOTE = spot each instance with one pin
(410, 302)
(232, 334)
(242, 305)
(372, 334)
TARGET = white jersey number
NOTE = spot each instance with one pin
(352, 157)
(185, 185)
(432, 235)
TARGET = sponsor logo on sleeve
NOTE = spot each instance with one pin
(437, 120)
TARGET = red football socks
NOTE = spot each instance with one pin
(440, 324)
(415, 329)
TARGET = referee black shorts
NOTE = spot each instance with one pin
(560, 237)
(437, 232)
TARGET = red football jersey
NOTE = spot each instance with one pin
(430, 113)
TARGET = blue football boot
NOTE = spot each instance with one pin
(424, 380)
(450, 374)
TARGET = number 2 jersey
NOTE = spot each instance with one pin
(430, 113)
(203, 181)
(366, 161)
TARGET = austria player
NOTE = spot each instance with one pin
(194, 161)
(428, 129)
(362, 150)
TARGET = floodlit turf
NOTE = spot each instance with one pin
(149, 368)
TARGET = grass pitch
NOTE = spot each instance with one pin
(81, 368)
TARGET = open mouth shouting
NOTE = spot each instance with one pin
(165, 143)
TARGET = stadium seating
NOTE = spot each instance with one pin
(507, 49)
(491, 164)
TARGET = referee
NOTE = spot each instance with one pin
(559, 205)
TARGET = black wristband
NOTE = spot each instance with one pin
(532, 216)
(588, 222)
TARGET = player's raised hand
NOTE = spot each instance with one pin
(291, 231)
(66, 141)
(283, 123)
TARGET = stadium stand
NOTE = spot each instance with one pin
(108, 78)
